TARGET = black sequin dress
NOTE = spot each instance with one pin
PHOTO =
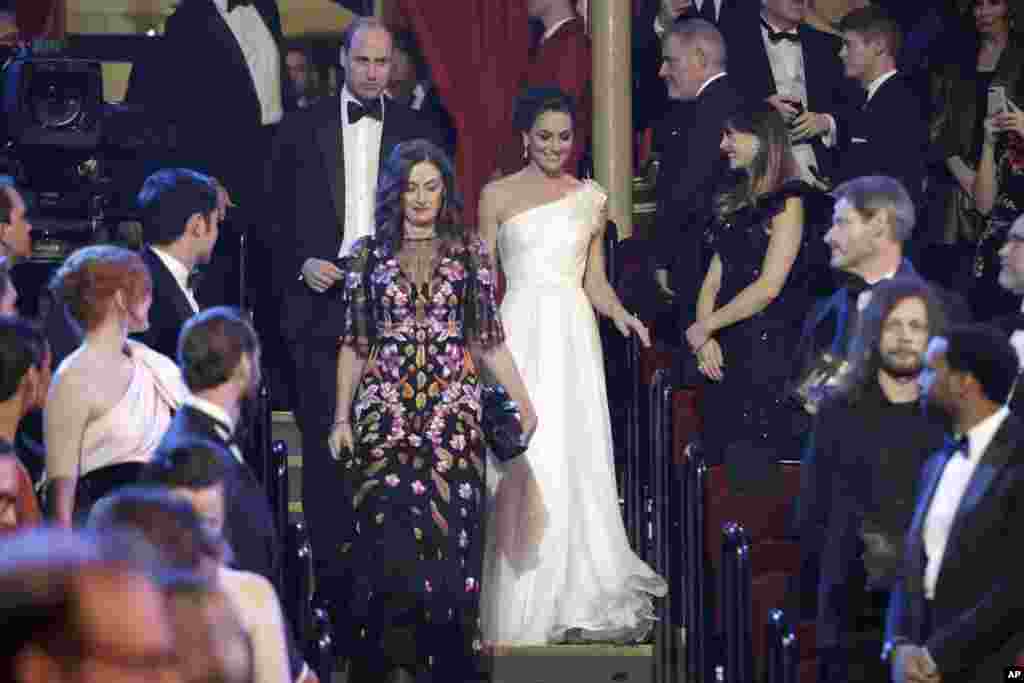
(747, 412)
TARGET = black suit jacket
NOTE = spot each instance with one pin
(169, 311)
(887, 136)
(692, 169)
(305, 180)
(828, 89)
(977, 627)
(198, 79)
(249, 522)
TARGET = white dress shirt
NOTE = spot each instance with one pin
(864, 298)
(261, 54)
(180, 273)
(225, 425)
(787, 63)
(362, 160)
(948, 493)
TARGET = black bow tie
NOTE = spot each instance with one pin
(775, 36)
(957, 444)
(853, 284)
(232, 4)
(372, 109)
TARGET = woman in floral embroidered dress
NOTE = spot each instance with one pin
(420, 322)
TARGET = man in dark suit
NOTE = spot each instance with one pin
(410, 86)
(181, 222)
(858, 479)
(692, 165)
(888, 133)
(219, 77)
(220, 361)
(776, 57)
(324, 177)
(955, 613)
(874, 216)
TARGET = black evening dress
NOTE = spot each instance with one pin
(747, 415)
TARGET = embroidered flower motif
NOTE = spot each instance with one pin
(465, 491)
(392, 480)
(418, 488)
(428, 586)
(470, 584)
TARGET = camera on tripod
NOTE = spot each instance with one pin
(79, 159)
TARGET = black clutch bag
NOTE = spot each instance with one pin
(500, 423)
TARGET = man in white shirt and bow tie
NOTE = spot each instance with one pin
(324, 177)
(182, 210)
(776, 57)
(956, 612)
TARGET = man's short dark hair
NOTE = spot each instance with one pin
(211, 346)
(169, 198)
(22, 345)
(166, 521)
(874, 23)
(194, 463)
(985, 353)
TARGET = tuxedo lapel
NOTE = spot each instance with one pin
(221, 32)
(992, 462)
(391, 133)
(167, 288)
(330, 142)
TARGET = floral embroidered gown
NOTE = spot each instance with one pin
(417, 472)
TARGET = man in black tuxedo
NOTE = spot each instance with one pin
(888, 133)
(181, 221)
(324, 177)
(219, 77)
(955, 613)
(873, 218)
(692, 165)
(775, 56)
(220, 361)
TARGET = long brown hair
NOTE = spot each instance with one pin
(773, 164)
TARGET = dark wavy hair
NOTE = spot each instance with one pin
(534, 102)
(394, 177)
(773, 164)
(864, 356)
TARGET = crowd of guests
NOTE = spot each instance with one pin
(806, 177)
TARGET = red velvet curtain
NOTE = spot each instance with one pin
(477, 55)
(40, 18)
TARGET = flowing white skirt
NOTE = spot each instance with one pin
(558, 558)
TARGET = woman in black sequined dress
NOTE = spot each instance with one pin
(756, 291)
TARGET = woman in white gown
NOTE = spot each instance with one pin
(558, 563)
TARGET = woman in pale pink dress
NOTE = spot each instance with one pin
(111, 400)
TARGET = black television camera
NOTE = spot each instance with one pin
(78, 160)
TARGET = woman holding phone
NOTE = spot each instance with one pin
(999, 195)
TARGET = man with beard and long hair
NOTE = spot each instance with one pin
(859, 479)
